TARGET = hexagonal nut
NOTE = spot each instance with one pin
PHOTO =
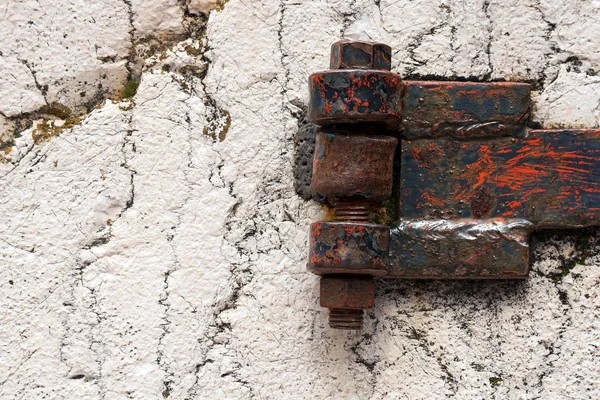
(353, 166)
(348, 248)
(355, 293)
(356, 96)
(358, 54)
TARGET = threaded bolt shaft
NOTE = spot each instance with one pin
(351, 211)
(340, 318)
(348, 211)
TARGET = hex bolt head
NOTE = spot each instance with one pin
(358, 54)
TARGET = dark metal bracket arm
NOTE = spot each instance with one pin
(474, 181)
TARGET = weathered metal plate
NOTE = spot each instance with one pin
(460, 249)
(465, 109)
(551, 178)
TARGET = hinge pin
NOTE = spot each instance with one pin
(357, 103)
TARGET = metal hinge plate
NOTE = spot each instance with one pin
(475, 182)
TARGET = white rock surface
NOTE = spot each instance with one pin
(18, 88)
(157, 249)
(72, 49)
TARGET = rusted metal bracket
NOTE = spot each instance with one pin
(474, 181)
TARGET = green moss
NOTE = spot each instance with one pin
(44, 131)
(193, 51)
(49, 129)
(130, 89)
(56, 109)
(193, 70)
(225, 128)
(6, 145)
(219, 125)
(183, 83)
(70, 122)
(220, 5)
(495, 381)
(127, 106)
(387, 213)
(5, 149)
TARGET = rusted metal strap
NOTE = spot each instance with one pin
(551, 178)
(465, 110)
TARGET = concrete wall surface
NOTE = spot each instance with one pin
(152, 245)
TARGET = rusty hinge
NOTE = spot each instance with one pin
(474, 180)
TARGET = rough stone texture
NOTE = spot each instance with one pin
(303, 161)
(157, 249)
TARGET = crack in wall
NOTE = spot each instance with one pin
(131, 57)
(421, 338)
(348, 18)
(42, 88)
(544, 80)
(241, 273)
(18, 367)
(488, 48)
(100, 239)
(415, 43)
(95, 346)
(20, 158)
(218, 120)
(164, 365)
(584, 243)
(139, 49)
(359, 347)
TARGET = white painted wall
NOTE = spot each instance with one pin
(157, 250)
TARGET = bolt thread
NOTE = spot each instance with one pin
(351, 211)
(340, 318)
